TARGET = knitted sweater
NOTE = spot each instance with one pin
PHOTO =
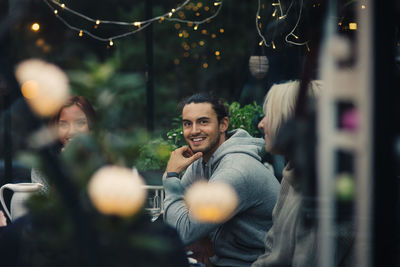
(238, 241)
(289, 242)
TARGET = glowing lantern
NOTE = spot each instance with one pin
(116, 190)
(259, 66)
(211, 202)
(44, 86)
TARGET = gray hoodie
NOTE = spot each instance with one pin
(240, 240)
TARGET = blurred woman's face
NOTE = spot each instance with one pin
(72, 121)
(262, 125)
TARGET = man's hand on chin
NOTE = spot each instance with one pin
(181, 158)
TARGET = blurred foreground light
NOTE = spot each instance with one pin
(116, 190)
(345, 187)
(30, 89)
(211, 202)
(44, 86)
(35, 27)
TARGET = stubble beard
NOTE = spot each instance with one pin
(208, 148)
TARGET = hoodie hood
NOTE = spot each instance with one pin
(239, 141)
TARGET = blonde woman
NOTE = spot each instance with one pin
(289, 242)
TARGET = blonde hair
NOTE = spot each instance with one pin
(280, 103)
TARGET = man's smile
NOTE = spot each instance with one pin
(197, 140)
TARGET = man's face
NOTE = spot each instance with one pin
(201, 129)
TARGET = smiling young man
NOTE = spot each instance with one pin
(218, 156)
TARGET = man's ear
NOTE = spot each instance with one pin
(223, 124)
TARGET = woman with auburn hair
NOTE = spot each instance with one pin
(76, 116)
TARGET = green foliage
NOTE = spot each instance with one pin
(154, 155)
(175, 135)
(246, 117)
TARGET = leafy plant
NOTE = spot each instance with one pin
(175, 135)
(246, 117)
(154, 155)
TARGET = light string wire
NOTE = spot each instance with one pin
(264, 41)
(200, 21)
(295, 27)
(282, 16)
(93, 35)
(64, 7)
(140, 24)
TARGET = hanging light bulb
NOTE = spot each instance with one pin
(44, 86)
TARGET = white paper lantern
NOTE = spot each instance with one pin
(211, 202)
(116, 190)
(44, 86)
(259, 66)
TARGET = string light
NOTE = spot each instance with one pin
(363, 6)
(295, 27)
(258, 29)
(80, 33)
(195, 27)
(35, 27)
(353, 26)
(111, 43)
(280, 15)
(55, 11)
(221, 30)
(217, 53)
(141, 24)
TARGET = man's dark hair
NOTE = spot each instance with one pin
(216, 103)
